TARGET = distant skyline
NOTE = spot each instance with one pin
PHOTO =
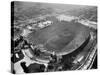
(52, 5)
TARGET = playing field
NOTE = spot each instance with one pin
(60, 35)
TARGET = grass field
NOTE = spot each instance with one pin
(59, 35)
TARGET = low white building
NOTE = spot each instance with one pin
(66, 18)
(44, 24)
(41, 25)
(88, 23)
(47, 23)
